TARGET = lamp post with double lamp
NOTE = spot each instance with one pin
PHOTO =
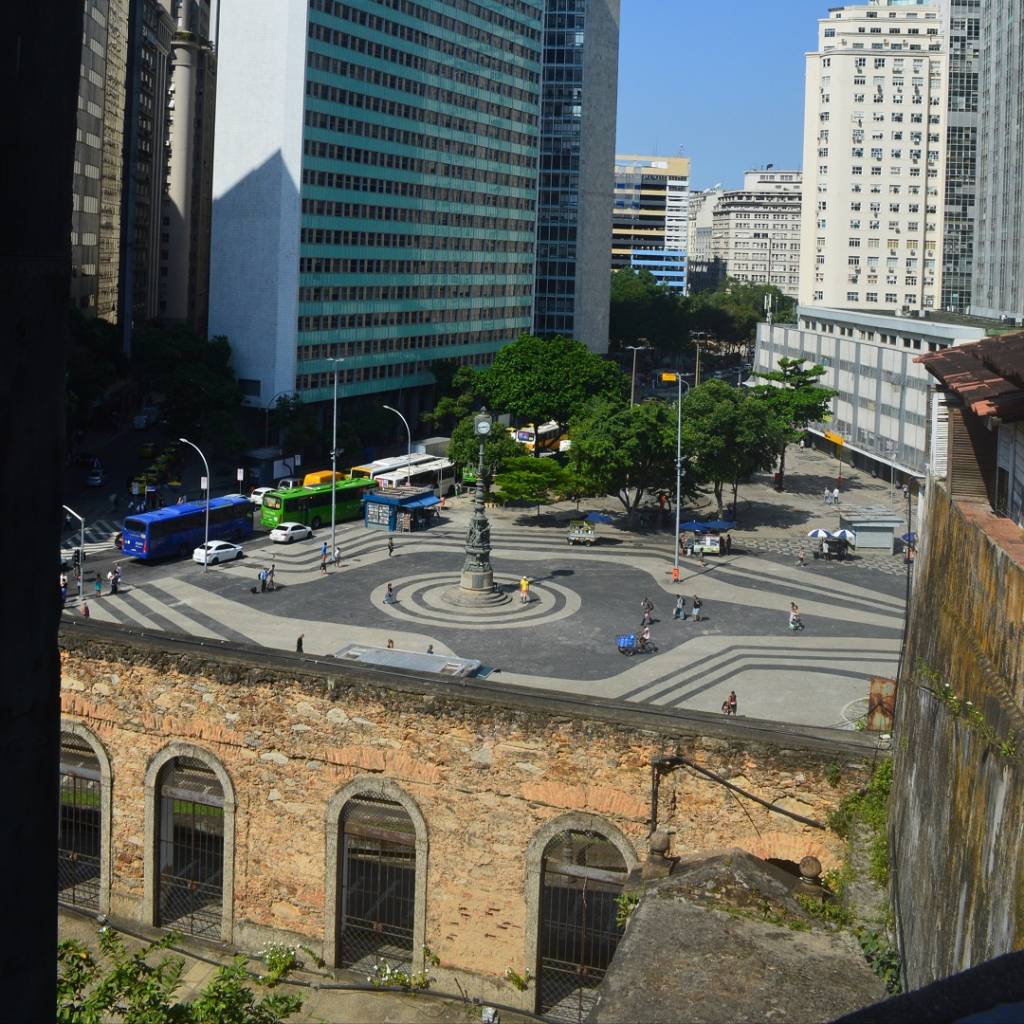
(408, 435)
(81, 547)
(334, 454)
(206, 528)
(667, 377)
(632, 378)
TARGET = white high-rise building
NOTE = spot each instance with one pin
(875, 116)
(705, 272)
(756, 229)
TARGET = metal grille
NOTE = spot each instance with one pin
(78, 828)
(377, 885)
(191, 848)
(583, 874)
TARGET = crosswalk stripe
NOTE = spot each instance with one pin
(172, 615)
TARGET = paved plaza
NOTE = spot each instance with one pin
(581, 598)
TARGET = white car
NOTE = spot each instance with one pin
(256, 497)
(285, 533)
(216, 551)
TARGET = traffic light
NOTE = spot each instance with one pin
(76, 557)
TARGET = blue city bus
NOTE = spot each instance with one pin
(179, 529)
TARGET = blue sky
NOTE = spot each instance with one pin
(722, 79)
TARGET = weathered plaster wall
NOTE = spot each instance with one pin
(486, 774)
(957, 813)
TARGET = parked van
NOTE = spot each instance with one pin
(289, 483)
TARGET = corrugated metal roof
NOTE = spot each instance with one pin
(987, 375)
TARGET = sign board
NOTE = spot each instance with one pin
(240, 474)
(669, 378)
(881, 704)
(831, 435)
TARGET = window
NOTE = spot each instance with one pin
(853, 297)
(81, 825)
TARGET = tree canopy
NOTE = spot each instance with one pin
(728, 434)
(731, 314)
(795, 397)
(643, 311)
(625, 450)
(457, 389)
(499, 449)
(541, 379)
(534, 481)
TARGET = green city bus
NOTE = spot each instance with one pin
(311, 506)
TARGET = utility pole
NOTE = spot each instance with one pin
(334, 457)
(632, 379)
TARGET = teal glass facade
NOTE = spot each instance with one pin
(418, 192)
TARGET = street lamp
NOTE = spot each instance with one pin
(334, 455)
(699, 337)
(206, 530)
(408, 434)
(632, 379)
(81, 547)
(679, 462)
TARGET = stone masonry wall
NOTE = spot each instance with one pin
(957, 813)
(485, 775)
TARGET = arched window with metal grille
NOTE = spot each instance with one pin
(80, 825)
(190, 848)
(582, 875)
(376, 883)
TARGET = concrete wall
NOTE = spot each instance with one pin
(957, 814)
(489, 775)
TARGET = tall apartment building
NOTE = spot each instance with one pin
(578, 105)
(875, 159)
(95, 224)
(650, 222)
(146, 160)
(998, 286)
(756, 229)
(705, 272)
(962, 27)
(375, 192)
(185, 235)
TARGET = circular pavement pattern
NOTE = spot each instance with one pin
(420, 599)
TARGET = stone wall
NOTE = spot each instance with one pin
(488, 772)
(957, 813)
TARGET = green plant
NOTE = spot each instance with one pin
(833, 773)
(882, 957)
(280, 960)
(386, 975)
(520, 982)
(869, 807)
(314, 956)
(860, 725)
(625, 904)
(430, 957)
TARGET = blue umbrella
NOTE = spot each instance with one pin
(693, 526)
(819, 534)
(719, 524)
(598, 517)
(909, 538)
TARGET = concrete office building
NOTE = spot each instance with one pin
(574, 218)
(882, 407)
(146, 161)
(96, 196)
(998, 286)
(962, 27)
(756, 229)
(875, 159)
(375, 186)
(650, 223)
(185, 237)
(705, 271)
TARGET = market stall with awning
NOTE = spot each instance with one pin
(399, 509)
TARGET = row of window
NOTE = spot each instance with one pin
(380, 239)
(394, 161)
(385, 26)
(419, 140)
(319, 381)
(397, 318)
(385, 80)
(327, 265)
(413, 215)
(400, 292)
(371, 346)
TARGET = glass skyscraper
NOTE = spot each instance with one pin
(375, 187)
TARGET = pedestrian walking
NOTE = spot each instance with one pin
(337, 555)
(85, 609)
(430, 648)
(697, 606)
(646, 620)
(110, 580)
(524, 590)
(646, 605)
(63, 594)
(298, 644)
(835, 495)
(795, 622)
(323, 551)
(801, 561)
(323, 563)
(271, 585)
(703, 564)
(680, 609)
(389, 597)
(732, 702)
(391, 644)
(391, 546)
(645, 637)
(98, 586)
(827, 498)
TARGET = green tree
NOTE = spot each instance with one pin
(458, 390)
(645, 311)
(727, 435)
(499, 449)
(795, 398)
(297, 426)
(133, 991)
(534, 481)
(541, 379)
(194, 377)
(731, 313)
(625, 450)
(95, 365)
